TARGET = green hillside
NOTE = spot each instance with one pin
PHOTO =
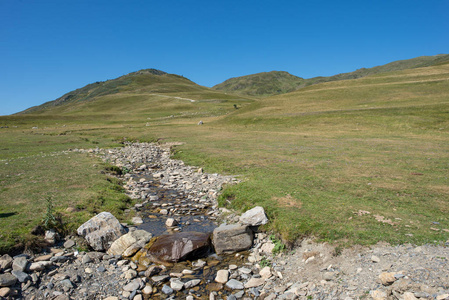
(261, 84)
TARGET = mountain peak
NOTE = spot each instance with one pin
(148, 71)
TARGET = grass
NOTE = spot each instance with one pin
(34, 168)
(316, 159)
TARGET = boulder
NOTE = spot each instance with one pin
(232, 238)
(7, 279)
(5, 262)
(20, 275)
(101, 231)
(179, 246)
(254, 217)
(20, 264)
(128, 244)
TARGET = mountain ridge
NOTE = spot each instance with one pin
(250, 84)
(261, 84)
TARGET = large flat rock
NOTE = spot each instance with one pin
(179, 246)
(254, 217)
(101, 231)
(128, 244)
(232, 238)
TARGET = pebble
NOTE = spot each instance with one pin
(222, 276)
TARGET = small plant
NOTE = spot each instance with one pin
(264, 262)
(49, 219)
(338, 250)
(278, 245)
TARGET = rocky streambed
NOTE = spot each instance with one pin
(128, 262)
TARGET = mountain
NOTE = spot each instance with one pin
(147, 80)
(261, 84)
(140, 91)
(273, 83)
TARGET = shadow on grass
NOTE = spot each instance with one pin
(5, 215)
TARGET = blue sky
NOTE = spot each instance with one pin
(48, 48)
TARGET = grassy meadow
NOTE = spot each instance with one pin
(350, 162)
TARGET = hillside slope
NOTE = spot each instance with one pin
(273, 83)
(417, 62)
(261, 84)
(400, 89)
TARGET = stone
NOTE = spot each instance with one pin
(7, 279)
(160, 278)
(101, 231)
(375, 259)
(178, 247)
(133, 285)
(51, 236)
(152, 270)
(44, 257)
(20, 263)
(328, 276)
(5, 262)
(130, 274)
(199, 263)
(67, 284)
(254, 217)
(69, 244)
(409, 296)
(176, 284)
(387, 278)
(86, 259)
(191, 283)
(148, 289)
(171, 222)
(167, 290)
(253, 282)
(111, 298)
(137, 220)
(129, 242)
(234, 284)
(138, 297)
(378, 295)
(443, 297)
(265, 272)
(232, 238)
(21, 276)
(222, 276)
(5, 291)
(267, 247)
(59, 259)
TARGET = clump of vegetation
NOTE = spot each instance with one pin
(278, 245)
(49, 221)
(264, 262)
